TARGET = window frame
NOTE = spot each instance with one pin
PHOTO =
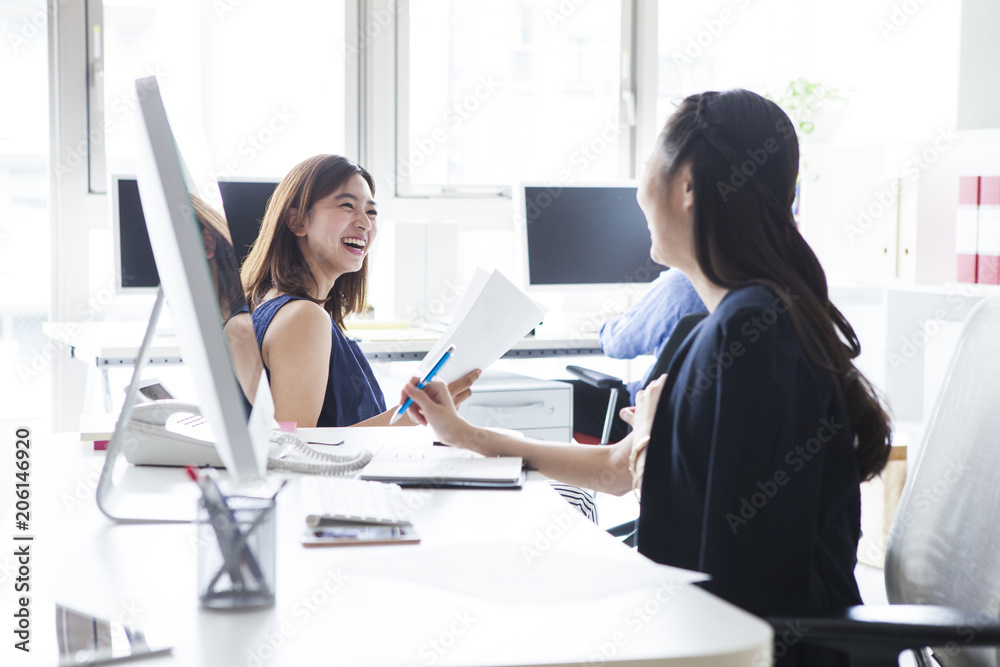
(365, 21)
(637, 63)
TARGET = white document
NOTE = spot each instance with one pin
(492, 317)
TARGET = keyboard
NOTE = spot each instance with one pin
(335, 500)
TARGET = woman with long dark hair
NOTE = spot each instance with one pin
(750, 451)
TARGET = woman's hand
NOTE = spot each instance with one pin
(434, 405)
(640, 418)
(461, 389)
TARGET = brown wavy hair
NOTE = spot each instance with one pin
(275, 260)
(744, 158)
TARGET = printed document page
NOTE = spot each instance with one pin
(492, 317)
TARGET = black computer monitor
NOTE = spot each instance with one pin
(593, 235)
(244, 203)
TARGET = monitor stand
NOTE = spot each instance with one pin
(142, 493)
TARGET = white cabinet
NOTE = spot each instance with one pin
(536, 408)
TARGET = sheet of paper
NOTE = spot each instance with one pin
(492, 317)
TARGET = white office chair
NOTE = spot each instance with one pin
(943, 559)
(944, 546)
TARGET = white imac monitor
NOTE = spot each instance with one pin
(167, 189)
(176, 214)
(591, 236)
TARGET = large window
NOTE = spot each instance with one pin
(265, 79)
(25, 355)
(505, 91)
(857, 77)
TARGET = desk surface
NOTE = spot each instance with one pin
(116, 343)
(372, 605)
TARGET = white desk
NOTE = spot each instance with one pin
(335, 608)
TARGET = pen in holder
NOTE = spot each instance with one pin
(236, 545)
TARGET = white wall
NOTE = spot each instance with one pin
(978, 93)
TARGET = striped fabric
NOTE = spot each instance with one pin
(582, 499)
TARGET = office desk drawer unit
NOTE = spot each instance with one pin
(537, 408)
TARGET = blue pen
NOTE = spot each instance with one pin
(423, 383)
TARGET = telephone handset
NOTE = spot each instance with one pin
(173, 433)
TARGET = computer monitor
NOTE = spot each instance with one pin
(592, 236)
(244, 202)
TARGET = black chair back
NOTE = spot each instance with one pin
(680, 332)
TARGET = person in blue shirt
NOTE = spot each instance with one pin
(308, 270)
(750, 450)
(644, 328)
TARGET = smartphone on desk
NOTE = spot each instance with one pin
(352, 535)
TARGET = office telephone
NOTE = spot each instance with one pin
(173, 433)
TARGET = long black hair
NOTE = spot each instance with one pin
(744, 158)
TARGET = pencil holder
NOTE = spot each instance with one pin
(236, 545)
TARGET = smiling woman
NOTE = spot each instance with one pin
(307, 270)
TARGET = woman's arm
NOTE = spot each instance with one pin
(590, 466)
(640, 418)
(296, 350)
(246, 355)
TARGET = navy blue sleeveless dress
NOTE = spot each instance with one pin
(352, 393)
